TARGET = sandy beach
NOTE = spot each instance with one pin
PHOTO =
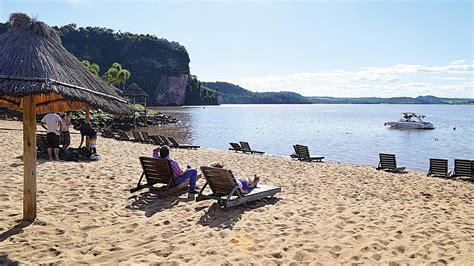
(327, 213)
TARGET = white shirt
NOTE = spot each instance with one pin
(52, 121)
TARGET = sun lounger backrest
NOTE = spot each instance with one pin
(302, 151)
(157, 171)
(137, 136)
(438, 167)
(387, 161)
(41, 142)
(165, 140)
(146, 137)
(221, 181)
(157, 139)
(463, 168)
(245, 146)
(175, 143)
(235, 146)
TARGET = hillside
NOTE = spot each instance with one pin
(158, 66)
(393, 100)
(234, 94)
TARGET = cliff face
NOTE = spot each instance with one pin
(172, 90)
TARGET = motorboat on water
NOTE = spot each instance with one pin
(411, 121)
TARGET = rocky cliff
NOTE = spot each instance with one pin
(172, 90)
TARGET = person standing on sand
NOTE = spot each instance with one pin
(52, 123)
(179, 175)
(87, 131)
(65, 136)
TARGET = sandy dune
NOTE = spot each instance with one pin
(326, 213)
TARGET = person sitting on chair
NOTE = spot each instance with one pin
(180, 175)
(246, 185)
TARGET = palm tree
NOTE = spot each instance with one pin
(116, 75)
(93, 67)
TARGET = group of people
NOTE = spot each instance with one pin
(57, 133)
(246, 185)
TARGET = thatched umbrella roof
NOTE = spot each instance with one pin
(34, 62)
(134, 91)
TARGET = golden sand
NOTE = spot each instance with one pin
(326, 213)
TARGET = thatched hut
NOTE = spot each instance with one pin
(38, 75)
(134, 93)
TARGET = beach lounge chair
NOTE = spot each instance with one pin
(439, 167)
(463, 168)
(157, 140)
(294, 155)
(235, 147)
(41, 147)
(182, 146)
(246, 148)
(137, 136)
(158, 171)
(226, 191)
(147, 138)
(167, 142)
(107, 133)
(121, 135)
(302, 153)
(389, 163)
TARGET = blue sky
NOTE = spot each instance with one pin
(337, 48)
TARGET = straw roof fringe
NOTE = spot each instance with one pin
(134, 91)
(34, 62)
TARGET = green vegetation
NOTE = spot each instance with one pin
(196, 94)
(116, 75)
(93, 67)
(237, 95)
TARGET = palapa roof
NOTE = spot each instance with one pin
(134, 91)
(34, 62)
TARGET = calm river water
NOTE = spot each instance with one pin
(342, 133)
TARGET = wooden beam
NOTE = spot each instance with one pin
(88, 120)
(29, 158)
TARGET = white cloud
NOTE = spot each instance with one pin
(452, 80)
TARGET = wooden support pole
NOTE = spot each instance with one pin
(88, 120)
(146, 124)
(29, 158)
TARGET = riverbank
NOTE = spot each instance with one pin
(329, 213)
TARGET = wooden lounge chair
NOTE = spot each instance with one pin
(107, 133)
(158, 171)
(167, 142)
(302, 154)
(235, 147)
(463, 168)
(157, 139)
(182, 146)
(439, 167)
(294, 155)
(226, 191)
(246, 148)
(41, 147)
(388, 163)
(137, 136)
(121, 135)
(147, 138)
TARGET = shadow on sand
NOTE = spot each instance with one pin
(219, 217)
(4, 260)
(14, 230)
(150, 203)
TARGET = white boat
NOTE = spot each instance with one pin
(411, 121)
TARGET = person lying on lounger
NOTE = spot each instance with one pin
(246, 185)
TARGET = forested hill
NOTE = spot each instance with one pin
(235, 94)
(158, 66)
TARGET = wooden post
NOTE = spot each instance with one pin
(145, 114)
(134, 116)
(29, 158)
(88, 120)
